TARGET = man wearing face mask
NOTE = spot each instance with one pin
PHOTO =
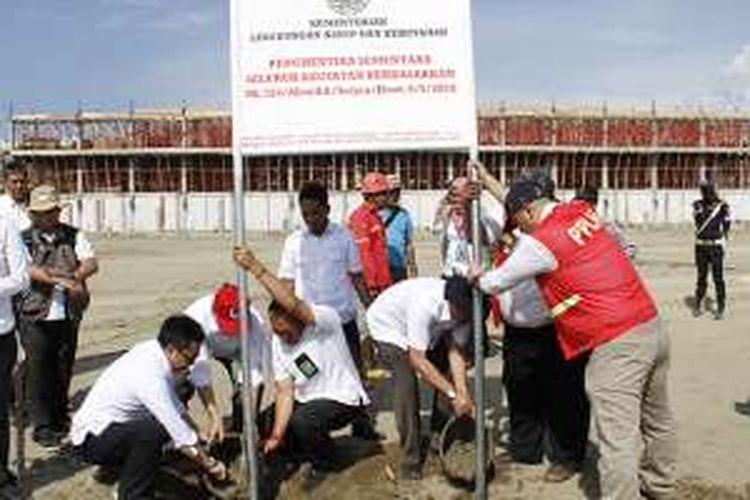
(133, 411)
(712, 222)
(600, 307)
(318, 387)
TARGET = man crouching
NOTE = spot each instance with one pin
(318, 388)
(132, 411)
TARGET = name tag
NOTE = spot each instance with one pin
(306, 365)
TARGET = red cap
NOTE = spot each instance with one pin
(375, 183)
(226, 310)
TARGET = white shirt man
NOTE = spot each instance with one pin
(14, 277)
(320, 363)
(138, 385)
(421, 325)
(321, 268)
(133, 410)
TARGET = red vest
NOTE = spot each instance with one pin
(595, 294)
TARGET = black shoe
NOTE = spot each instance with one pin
(743, 408)
(104, 474)
(312, 477)
(47, 438)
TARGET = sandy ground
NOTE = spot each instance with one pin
(144, 279)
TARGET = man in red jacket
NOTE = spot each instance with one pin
(369, 233)
(600, 306)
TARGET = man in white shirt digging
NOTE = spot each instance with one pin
(132, 411)
(318, 387)
(423, 326)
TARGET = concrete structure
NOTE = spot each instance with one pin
(171, 170)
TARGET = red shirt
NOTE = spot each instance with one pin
(595, 293)
(369, 233)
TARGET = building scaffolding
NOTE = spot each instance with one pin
(186, 150)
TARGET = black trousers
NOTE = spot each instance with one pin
(8, 352)
(51, 350)
(549, 411)
(308, 435)
(710, 256)
(406, 398)
(135, 448)
(351, 332)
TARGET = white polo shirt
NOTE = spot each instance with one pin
(218, 345)
(414, 314)
(138, 385)
(320, 363)
(320, 267)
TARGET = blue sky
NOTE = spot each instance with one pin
(105, 53)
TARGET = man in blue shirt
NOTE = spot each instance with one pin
(399, 231)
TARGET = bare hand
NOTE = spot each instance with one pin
(463, 405)
(214, 430)
(218, 470)
(474, 272)
(272, 444)
(245, 258)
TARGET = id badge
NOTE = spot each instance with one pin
(306, 365)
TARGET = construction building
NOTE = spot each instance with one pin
(635, 156)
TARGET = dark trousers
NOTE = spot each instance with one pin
(710, 256)
(406, 399)
(135, 448)
(549, 411)
(308, 435)
(51, 350)
(8, 352)
(351, 332)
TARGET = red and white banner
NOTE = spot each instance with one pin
(352, 75)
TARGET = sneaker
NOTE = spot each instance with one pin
(559, 473)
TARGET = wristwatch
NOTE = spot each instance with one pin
(451, 394)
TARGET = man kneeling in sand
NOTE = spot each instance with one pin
(318, 388)
(133, 411)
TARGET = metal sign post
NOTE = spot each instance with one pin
(249, 441)
(480, 482)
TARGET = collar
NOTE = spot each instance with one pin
(548, 210)
(328, 230)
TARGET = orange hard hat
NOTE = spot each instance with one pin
(374, 183)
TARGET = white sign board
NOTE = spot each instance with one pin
(352, 75)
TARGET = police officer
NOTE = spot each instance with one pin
(711, 217)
